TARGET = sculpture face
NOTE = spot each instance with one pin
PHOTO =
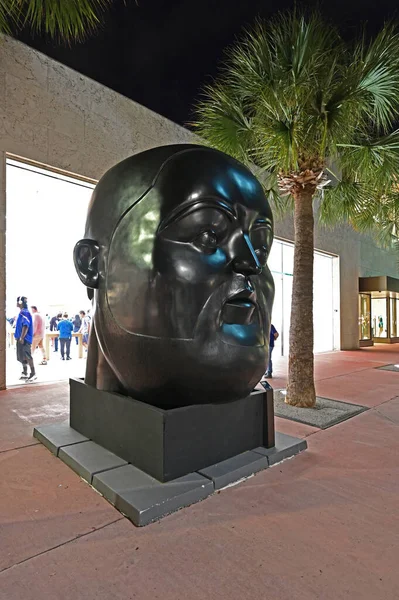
(182, 292)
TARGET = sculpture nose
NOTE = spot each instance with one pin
(246, 261)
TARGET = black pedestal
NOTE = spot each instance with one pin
(168, 444)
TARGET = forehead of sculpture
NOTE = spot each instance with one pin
(179, 175)
(203, 175)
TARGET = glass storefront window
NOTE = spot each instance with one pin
(274, 261)
(323, 309)
(394, 314)
(288, 259)
(287, 295)
(56, 207)
(379, 317)
(364, 317)
(281, 264)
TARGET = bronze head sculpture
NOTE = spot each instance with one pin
(174, 256)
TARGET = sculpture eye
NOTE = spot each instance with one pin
(207, 241)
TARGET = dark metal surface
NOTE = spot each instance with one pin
(169, 443)
(174, 256)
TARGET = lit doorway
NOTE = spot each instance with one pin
(325, 295)
(46, 214)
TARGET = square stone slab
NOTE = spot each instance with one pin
(235, 468)
(88, 458)
(57, 435)
(325, 414)
(394, 368)
(144, 499)
(286, 446)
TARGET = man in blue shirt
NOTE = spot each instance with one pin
(24, 336)
(65, 328)
(273, 337)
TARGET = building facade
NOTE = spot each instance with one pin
(56, 118)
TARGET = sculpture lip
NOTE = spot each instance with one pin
(240, 309)
(243, 296)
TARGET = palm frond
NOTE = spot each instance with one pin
(7, 18)
(281, 204)
(373, 160)
(380, 215)
(375, 66)
(68, 20)
(223, 123)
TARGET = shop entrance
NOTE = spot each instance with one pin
(325, 297)
(46, 214)
(378, 310)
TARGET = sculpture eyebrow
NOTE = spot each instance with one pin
(182, 211)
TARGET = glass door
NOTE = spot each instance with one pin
(379, 317)
(394, 314)
(364, 317)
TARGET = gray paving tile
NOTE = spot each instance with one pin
(394, 368)
(286, 446)
(144, 499)
(57, 435)
(88, 458)
(235, 468)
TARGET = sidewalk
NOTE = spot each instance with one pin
(323, 525)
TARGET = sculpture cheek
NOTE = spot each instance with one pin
(216, 261)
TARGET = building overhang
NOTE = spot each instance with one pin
(380, 284)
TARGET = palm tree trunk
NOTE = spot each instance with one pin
(300, 388)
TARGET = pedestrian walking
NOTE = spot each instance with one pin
(39, 330)
(24, 336)
(273, 336)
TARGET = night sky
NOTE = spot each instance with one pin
(161, 52)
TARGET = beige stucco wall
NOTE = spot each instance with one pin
(376, 261)
(52, 114)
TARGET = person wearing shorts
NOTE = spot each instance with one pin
(39, 329)
(24, 336)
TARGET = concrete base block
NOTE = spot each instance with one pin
(57, 435)
(138, 495)
(88, 458)
(168, 444)
(236, 468)
(144, 499)
(286, 446)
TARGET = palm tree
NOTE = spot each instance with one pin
(69, 20)
(296, 103)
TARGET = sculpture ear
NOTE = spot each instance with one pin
(85, 256)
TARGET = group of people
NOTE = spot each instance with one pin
(30, 328)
